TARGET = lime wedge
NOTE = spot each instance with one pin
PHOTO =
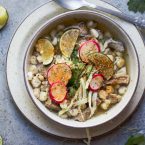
(103, 64)
(68, 41)
(1, 141)
(3, 17)
(46, 50)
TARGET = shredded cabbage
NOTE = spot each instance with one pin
(89, 79)
(81, 102)
(71, 104)
(82, 81)
(94, 104)
(88, 142)
(90, 99)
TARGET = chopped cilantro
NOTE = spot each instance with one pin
(138, 139)
(136, 5)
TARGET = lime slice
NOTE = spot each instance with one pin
(103, 64)
(3, 17)
(46, 49)
(68, 41)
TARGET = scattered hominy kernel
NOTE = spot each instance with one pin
(91, 24)
(39, 59)
(35, 82)
(94, 33)
(111, 57)
(36, 92)
(60, 27)
(105, 105)
(54, 41)
(122, 90)
(103, 94)
(33, 69)
(53, 33)
(74, 112)
(120, 62)
(30, 76)
(109, 89)
(43, 96)
(40, 77)
(64, 104)
(33, 60)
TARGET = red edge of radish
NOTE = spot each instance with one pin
(96, 88)
(53, 98)
(100, 75)
(52, 67)
(93, 41)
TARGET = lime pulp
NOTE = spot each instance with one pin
(3, 17)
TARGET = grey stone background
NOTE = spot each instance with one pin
(14, 128)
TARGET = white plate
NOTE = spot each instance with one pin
(17, 87)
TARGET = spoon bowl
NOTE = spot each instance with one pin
(71, 4)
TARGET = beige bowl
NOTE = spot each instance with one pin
(118, 33)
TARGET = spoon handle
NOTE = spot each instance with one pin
(138, 21)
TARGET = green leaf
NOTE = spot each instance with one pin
(138, 139)
(74, 81)
(136, 5)
(1, 141)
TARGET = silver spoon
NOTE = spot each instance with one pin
(76, 4)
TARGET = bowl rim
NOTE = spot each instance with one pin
(42, 28)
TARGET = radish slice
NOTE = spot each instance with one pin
(96, 74)
(96, 82)
(60, 72)
(91, 46)
(58, 92)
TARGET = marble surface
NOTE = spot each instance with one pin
(14, 128)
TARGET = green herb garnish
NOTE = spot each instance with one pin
(136, 5)
(138, 139)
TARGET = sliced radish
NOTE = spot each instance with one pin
(96, 82)
(91, 46)
(60, 72)
(96, 74)
(58, 92)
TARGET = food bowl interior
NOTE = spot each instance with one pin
(104, 24)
